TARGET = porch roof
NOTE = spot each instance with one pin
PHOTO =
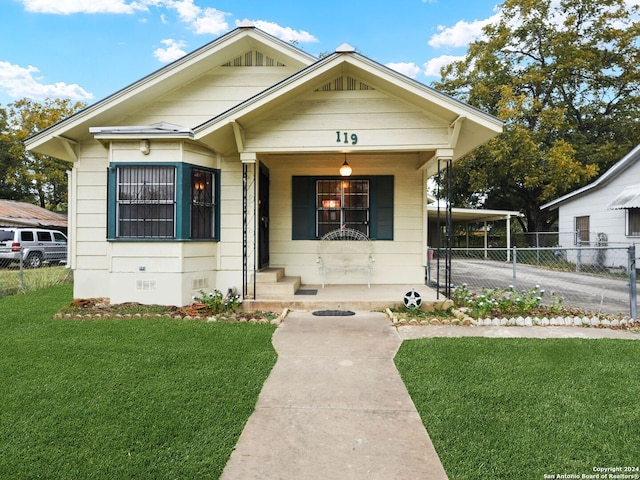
(473, 215)
(628, 198)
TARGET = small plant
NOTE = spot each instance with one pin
(506, 302)
(215, 302)
(419, 314)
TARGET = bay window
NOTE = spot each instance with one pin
(162, 202)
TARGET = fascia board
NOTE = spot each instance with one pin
(455, 106)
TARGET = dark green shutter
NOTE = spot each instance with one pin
(303, 212)
(216, 198)
(381, 208)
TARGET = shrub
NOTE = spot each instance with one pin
(215, 303)
(506, 302)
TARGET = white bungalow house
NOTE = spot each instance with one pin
(604, 211)
(227, 161)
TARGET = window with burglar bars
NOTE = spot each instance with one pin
(202, 204)
(582, 230)
(146, 201)
(633, 222)
(342, 203)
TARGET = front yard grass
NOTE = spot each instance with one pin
(168, 398)
(523, 408)
(140, 398)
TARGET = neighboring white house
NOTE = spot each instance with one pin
(227, 161)
(606, 211)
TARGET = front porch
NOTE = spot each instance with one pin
(275, 292)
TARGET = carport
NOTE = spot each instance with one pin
(466, 216)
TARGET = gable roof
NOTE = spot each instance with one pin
(476, 126)
(59, 139)
(619, 167)
(468, 127)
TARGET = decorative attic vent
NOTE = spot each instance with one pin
(344, 83)
(253, 58)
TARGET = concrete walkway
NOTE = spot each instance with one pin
(335, 407)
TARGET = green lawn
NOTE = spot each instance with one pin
(523, 408)
(168, 398)
(122, 398)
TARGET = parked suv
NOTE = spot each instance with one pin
(38, 246)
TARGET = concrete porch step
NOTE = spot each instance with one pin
(346, 297)
(284, 286)
(270, 275)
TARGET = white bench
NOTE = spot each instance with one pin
(345, 250)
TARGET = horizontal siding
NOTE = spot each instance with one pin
(209, 95)
(594, 205)
(377, 120)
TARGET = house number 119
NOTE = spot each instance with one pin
(344, 137)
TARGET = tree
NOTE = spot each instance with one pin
(565, 79)
(32, 177)
(8, 164)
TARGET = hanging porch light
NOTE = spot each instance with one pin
(345, 169)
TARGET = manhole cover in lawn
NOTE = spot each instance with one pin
(333, 313)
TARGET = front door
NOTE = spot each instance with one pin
(263, 217)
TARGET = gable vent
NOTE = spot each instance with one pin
(344, 83)
(253, 58)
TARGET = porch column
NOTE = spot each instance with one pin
(486, 239)
(444, 160)
(425, 221)
(249, 227)
(508, 238)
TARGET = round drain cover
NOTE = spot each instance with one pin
(333, 313)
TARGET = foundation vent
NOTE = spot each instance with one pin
(200, 283)
(145, 284)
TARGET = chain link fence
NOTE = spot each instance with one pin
(17, 277)
(600, 280)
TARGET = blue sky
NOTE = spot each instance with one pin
(88, 49)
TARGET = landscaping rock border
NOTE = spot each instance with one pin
(175, 315)
(461, 318)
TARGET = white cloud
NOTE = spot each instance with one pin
(172, 52)
(462, 33)
(67, 7)
(409, 69)
(19, 82)
(187, 10)
(202, 20)
(433, 66)
(283, 33)
(211, 21)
